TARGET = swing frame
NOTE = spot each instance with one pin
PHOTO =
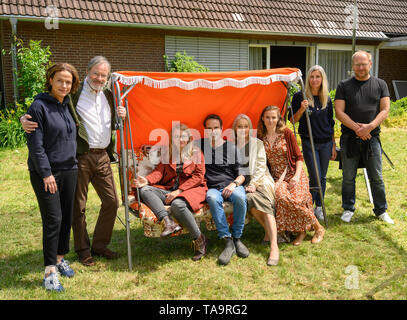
(120, 95)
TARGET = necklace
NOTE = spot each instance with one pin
(271, 138)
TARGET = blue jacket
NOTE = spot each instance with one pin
(52, 146)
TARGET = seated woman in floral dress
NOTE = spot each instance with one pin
(293, 202)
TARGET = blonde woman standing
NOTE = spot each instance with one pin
(258, 181)
(322, 124)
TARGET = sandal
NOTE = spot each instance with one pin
(301, 236)
(318, 236)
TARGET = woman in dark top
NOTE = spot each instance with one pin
(53, 167)
(322, 124)
(178, 181)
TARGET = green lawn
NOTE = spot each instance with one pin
(162, 269)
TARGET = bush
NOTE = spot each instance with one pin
(184, 63)
(399, 107)
(11, 132)
(33, 62)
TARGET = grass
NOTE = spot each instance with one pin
(162, 269)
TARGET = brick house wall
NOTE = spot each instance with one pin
(125, 48)
(392, 66)
(143, 49)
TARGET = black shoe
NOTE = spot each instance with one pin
(228, 252)
(241, 249)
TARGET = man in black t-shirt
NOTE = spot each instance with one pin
(224, 179)
(362, 103)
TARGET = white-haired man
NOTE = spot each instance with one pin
(94, 105)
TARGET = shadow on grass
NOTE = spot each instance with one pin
(14, 269)
(150, 254)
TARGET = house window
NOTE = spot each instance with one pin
(217, 54)
(337, 65)
(337, 61)
(258, 58)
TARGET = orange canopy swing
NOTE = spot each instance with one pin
(155, 99)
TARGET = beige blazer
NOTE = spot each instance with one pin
(259, 172)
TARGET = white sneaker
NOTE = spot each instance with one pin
(386, 218)
(319, 213)
(51, 282)
(347, 215)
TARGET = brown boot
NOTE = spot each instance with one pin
(200, 245)
(170, 227)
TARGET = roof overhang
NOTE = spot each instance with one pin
(398, 43)
(320, 32)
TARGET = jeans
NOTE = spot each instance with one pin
(323, 152)
(215, 201)
(374, 170)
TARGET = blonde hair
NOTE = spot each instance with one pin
(359, 52)
(323, 90)
(189, 149)
(261, 128)
(239, 117)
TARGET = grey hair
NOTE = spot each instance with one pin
(98, 60)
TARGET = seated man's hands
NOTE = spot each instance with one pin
(227, 192)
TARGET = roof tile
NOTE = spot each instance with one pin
(388, 16)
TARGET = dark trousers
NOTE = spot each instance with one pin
(95, 168)
(373, 165)
(323, 152)
(56, 213)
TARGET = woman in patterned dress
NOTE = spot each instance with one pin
(293, 200)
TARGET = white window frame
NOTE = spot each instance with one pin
(267, 46)
(347, 47)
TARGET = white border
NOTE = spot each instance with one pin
(203, 83)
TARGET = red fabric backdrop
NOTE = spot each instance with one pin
(152, 108)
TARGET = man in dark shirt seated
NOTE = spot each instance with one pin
(224, 179)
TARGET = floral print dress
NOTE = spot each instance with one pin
(294, 210)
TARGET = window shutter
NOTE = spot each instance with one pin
(217, 54)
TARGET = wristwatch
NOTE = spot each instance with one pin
(236, 183)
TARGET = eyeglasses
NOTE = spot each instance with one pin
(182, 137)
(364, 65)
(101, 75)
